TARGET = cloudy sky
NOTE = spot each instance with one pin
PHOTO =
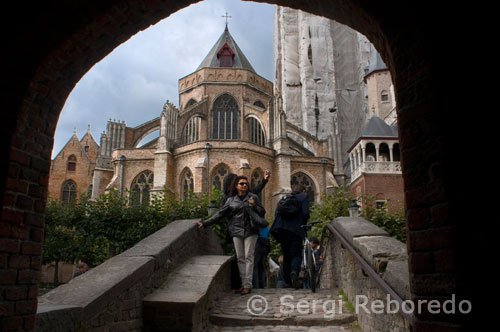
(133, 82)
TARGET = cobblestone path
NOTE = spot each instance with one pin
(279, 310)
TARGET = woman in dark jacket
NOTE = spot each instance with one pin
(244, 237)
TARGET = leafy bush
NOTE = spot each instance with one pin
(94, 230)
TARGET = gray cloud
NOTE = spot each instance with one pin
(134, 81)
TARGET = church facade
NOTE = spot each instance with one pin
(232, 120)
(229, 120)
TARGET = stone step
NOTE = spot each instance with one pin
(182, 303)
(283, 307)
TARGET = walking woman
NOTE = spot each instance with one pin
(244, 237)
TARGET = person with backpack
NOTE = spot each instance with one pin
(292, 212)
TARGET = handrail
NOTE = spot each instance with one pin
(381, 283)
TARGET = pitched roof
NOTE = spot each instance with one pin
(239, 60)
(378, 65)
(376, 127)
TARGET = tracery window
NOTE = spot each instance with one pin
(192, 130)
(303, 179)
(187, 184)
(68, 194)
(140, 188)
(219, 174)
(225, 118)
(256, 132)
(71, 163)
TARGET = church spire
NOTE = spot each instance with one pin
(226, 46)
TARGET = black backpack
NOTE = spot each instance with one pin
(288, 206)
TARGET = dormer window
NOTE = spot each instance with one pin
(225, 56)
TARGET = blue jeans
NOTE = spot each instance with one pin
(291, 246)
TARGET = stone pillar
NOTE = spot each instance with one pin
(162, 167)
(283, 177)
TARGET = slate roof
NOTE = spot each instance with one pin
(239, 60)
(376, 127)
(378, 65)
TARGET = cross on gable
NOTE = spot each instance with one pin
(226, 17)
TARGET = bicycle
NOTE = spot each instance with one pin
(309, 263)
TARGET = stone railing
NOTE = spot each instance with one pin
(109, 297)
(377, 167)
(368, 265)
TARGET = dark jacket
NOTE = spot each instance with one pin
(293, 224)
(238, 220)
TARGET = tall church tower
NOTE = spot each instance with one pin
(320, 65)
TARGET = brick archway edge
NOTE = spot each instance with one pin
(55, 43)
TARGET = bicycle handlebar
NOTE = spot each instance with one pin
(310, 225)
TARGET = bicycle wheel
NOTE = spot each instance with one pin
(311, 269)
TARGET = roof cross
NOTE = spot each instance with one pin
(226, 17)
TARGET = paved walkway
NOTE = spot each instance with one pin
(279, 310)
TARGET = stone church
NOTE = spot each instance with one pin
(232, 120)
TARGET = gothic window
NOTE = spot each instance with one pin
(192, 130)
(260, 104)
(219, 174)
(190, 103)
(141, 186)
(225, 118)
(71, 163)
(68, 192)
(187, 183)
(255, 180)
(303, 179)
(256, 132)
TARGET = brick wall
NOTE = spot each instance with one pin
(59, 42)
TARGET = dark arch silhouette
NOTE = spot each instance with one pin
(54, 44)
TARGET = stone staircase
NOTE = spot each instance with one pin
(277, 310)
(182, 303)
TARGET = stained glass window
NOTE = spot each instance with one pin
(225, 118)
(187, 183)
(141, 186)
(256, 132)
(68, 192)
(303, 179)
(220, 173)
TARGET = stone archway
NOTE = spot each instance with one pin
(57, 43)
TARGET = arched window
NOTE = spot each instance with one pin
(259, 104)
(303, 179)
(71, 163)
(257, 176)
(190, 103)
(218, 178)
(225, 118)
(256, 132)
(140, 188)
(68, 194)
(187, 184)
(384, 153)
(191, 131)
(396, 156)
(370, 152)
